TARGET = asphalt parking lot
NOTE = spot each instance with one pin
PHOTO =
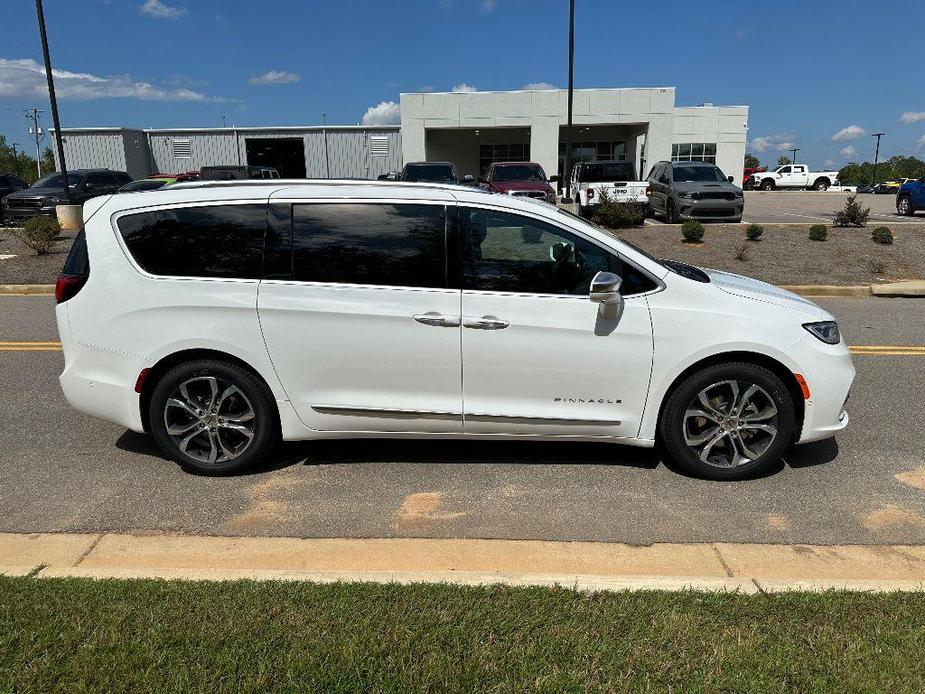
(812, 207)
(64, 471)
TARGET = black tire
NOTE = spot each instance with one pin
(821, 185)
(737, 220)
(252, 395)
(767, 185)
(671, 214)
(673, 425)
(904, 205)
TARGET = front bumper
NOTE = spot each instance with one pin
(720, 210)
(20, 213)
(829, 373)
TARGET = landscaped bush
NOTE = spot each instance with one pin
(692, 230)
(742, 252)
(754, 231)
(882, 235)
(818, 232)
(39, 233)
(618, 215)
(853, 214)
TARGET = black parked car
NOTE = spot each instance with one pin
(10, 184)
(434, 172)
(45, 194)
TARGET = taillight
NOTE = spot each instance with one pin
(590, 193)
(67, 287)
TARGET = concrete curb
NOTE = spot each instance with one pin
(914, 288)
(27, 289)
(747, 568)
(810, 290)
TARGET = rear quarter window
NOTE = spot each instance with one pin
(210, 241)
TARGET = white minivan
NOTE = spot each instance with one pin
(221, 317)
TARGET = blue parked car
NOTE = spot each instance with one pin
(911, 197)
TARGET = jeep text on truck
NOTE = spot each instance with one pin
(617, 179)
(793, 176)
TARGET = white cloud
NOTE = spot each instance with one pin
(156, 8)
(848, 151)
(274, 77)
(783, 146)
(912, 116)
(781, 142)
(489, 5)
(829, 162)
(24, 78)
(761, 144)
(464, 88)
(383, 113)
(539, 86)
(850, 133)
(922, 141)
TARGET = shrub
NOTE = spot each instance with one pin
(39, 233)
(882, 235)
(692, 231)
(742, 252)
(818, 232)
(853, 214)
(754, 231)
(618, 215)
(875, 266)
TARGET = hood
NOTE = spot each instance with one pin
(37, 193)
(521, 185)
(701, 187)
(749, 288)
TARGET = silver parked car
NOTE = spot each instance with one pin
(681, 190)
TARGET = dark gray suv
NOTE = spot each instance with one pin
(681, 190)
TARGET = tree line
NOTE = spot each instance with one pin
(23, 165)
(891, 169)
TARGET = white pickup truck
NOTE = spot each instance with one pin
(590, 179)
(793, 176)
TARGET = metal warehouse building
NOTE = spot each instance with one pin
(473, 129)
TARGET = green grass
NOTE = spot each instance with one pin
(79, 635)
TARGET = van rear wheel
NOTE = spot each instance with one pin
(728, 422)
(213, 417)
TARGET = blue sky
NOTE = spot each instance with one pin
(808, 70)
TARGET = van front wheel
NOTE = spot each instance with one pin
(728, 421)
(213, 417)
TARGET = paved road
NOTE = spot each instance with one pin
(812, 207)
(63, 471)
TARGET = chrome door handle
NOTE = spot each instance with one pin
(485, 323)
(437, 319)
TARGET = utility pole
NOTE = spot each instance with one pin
(873, 180)
(571, 87)
(33, 115)
(793, 159)
(15, 158)
(54, 102)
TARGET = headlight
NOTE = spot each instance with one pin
(51, 200)
(689, 196)
(827, 331)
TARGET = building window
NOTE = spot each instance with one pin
(182, 149)
(379, 145)
(694, 151)
(489, 154)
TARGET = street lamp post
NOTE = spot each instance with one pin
(571, 85)
(793, 159)
(54, 102)
(873, 180)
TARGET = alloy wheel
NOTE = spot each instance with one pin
(730, 423)
(904, 206)
(210, 419)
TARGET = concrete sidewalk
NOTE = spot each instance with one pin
(585, 565)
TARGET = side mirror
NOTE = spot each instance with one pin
(553, 179)
(605, 288)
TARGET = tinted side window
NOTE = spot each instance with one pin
(213, 241)
(509, 253)
(400, 245)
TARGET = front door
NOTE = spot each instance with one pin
(538, 356)
(363, 332)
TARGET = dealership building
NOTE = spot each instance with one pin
(471, 129)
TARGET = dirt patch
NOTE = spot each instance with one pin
(785, 255)
(914, 478)
(778, 522)
(892, 516)
(28, 268)
(258, 515)
(420, 510)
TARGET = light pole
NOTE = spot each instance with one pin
(54, 102)
(793, 159)
(15, 157)
(873, 180)
(571, 86)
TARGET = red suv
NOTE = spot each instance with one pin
(523, 178)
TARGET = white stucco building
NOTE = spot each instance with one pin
(639, 125)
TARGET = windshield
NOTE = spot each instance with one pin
(524, 172)
(147, 184)
(55, 181)
(440, 173)
(599, 172)
(697, 174)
